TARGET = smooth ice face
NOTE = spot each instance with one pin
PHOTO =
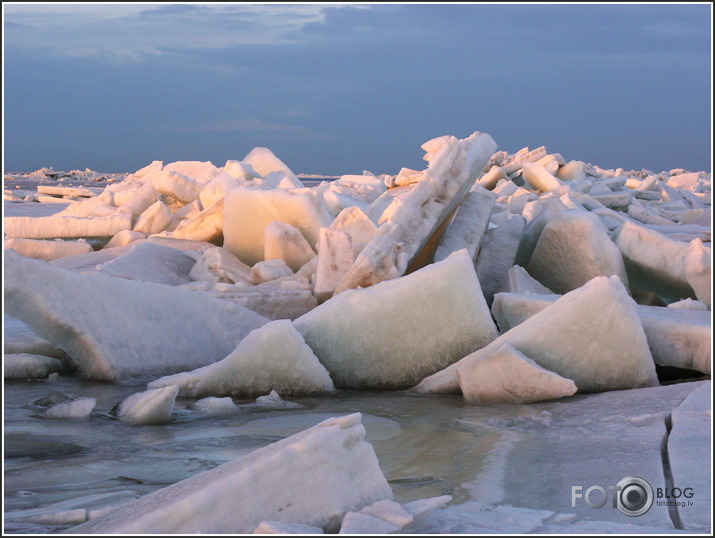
(214, 406)
(283, 241)
(217, 264)
(135, 202)
(65, 227)
(274, 357)
(123, 238)
(335, 257)
(698, 270)
(177, 185)
(216, 189)
(156, 217)
(438, 312)
(29, 366)
(177, 329)
(206, 226)
(264, 161)
(592, 335)
(508, 376)
(354, 222)
(519, 281)
(359, 523)
(573, 248)
(268, 270)
(47, 250)
(313, 477)
(148, 407)
(276, 527)
(498, 253)
(247, 212)
(200, 171)
(78, 409)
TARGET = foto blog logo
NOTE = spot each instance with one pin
(633, 496)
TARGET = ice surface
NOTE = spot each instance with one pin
(498, 254)
(141, 199)
(62, 190)
(69, 227)
(177, 185)
(123, 238)
(45, 249)
(141, 260)
(148, 407)
(247, 212)
(519, 281)
(354, 222)
(439, 311)
(679, 338)
(212, 405)
(278, 527)
(506, 375)
(492, 177)
(573, 248)
(264, 162)
(592, 335)
(274, 357)
(177, 329)
(360, 523)
(152, 221)
(283, 241)
(200, 171)
(268, 270)
(335, 258)
(218, 265)
(274, 400)
(469, 225)
(240, 170)
(313, 477)
(698, 270)
(364, 188)
(688, 304)
(451, 172)
(546, 210)
(421, 509)
(206, 226)
(389, 511)
(539, 178)
(88, 208)
(79, 408)
(29, 366)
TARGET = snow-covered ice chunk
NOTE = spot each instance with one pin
(439, 313)
(247, 212)
(469, 225)
(688, 304)
(123, 238)
(216, 189)
(177, 329)
(698, 270)
(156, 217)
(29, 366)
(508, 376)
(572, 171)
(313, 477)
(546, 210)
(89, 208)
(491, 178)
(404, 237)
(62, 190)
(274, 357)
(421, 509)
(592, 335)
(177, 185)
(359, 523)
(497, 254)
(407, 176)
(47, 250)
(240, 170)
(206, 226)
(218, 265)
(278, 527)
(212, 405)
(274, 400)
(79, 408)
(518, 280)
(365, 188)
(335, 257)
(573, 248)
(354, 222)
(285, 242)
(148, 407)
(264, 161)
(200, 171)
(389, 511)
(140, 201)
(268, 270)
(69, 227)
(523, 156)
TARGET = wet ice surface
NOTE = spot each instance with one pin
(526, 456)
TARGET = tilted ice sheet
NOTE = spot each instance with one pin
(65, 227)
(437, 315)
(132, 329)
(45, 249)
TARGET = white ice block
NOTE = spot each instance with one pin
(29, 366)
(141, 199)
(176, 185)
(469, 226)
(123, 238)
(214, 406)
(268, 270)
(313, 477)
(497, 254)
(89, 208)
(592, 335)
(698, 270)
(65, 227)
(247, 212)
(61, 190)
(277, 527)
(156, 217)
(133, 328)
(508, 376)
(273, 357)
(216, 189)
(519, 281)
(206, 226)
(240, 170)
(439, 311)
(451, 173)
(149, 407)
(365, 188)
(200, 171)
(44, 249)
(283, 241)
(572, 171)
(546, 209)
(573, 248)
(522, 157)
(78, 409)
(360, 228)
(359, 523)
(264, 162)
(335, 257)
(218, 265)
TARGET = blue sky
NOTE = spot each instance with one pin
(335, 89)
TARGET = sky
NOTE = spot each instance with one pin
(341, 88)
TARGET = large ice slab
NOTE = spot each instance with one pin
(285, 242)
(200, 171)
(65, 227)
(469, 225)
(679, 338)
(335, 258)
(29, 366)
(273, 357)
(45, 249)
(132, 329)
(177, 185)
(354, 222)
(264, 161)
(592, 335)
(698, 270)
(453, 168)
(248, 211)
(154, 219)
(313, 477)
(439, 313)
(206, 226)
(498, 254)
(148, 407)
(573, 248)
(217, 264)
(518, 280)
(506, 375)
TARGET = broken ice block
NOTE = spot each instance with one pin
(123, 238)
(69, 227)
(519, 281)
(283, 241)
(508, 376)
(176, 185)
(29, 366)
(698, 272)
(439, 311)
(216, 189)
(200, 171)
(313, 477)
(240, 171)
(148, 407)
(206, 226)
(268, 270)
(335, 257)
(272, 357)
(154, 219)
(219, 265)
(354, 222)
(141, 199)
(592, 335)
(497, 254)
(78, 409)
(264, 162)
(47, 250)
